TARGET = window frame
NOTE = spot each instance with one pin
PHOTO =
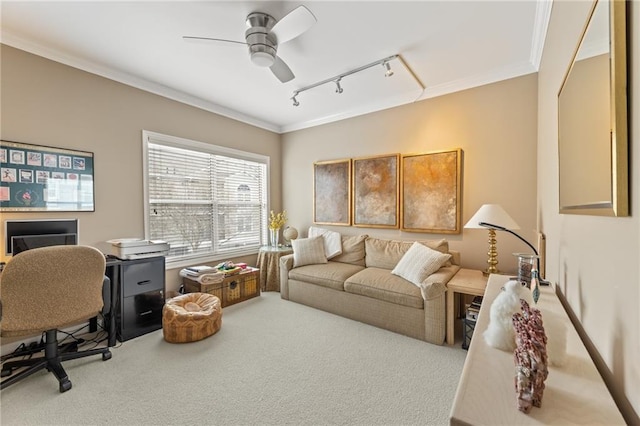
(183, 143)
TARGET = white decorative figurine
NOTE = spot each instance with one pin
(500, 334)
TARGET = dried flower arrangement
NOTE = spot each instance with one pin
(277, 220)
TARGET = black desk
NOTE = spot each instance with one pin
(137, 297)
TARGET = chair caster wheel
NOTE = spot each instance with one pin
(65, 386)
(106, 356)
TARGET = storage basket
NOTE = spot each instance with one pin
(231, 290)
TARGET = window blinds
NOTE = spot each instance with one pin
(204, 203)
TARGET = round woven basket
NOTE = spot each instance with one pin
(191, 317)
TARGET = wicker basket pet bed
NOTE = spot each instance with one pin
(191, 317)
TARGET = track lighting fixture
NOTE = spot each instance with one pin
(384, 62)
(389, 71)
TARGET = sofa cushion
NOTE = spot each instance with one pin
(419, 262)
(331, 274)
(386, 254)
(352, 250)
(332, 240)
(308, 251)
(380, 284)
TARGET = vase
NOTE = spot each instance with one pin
(526, 262)
(274, 237)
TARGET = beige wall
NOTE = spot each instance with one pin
(495, 125)
(593, 259)
(47, 103)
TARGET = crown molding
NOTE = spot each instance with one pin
(543, 13)
(540, 26)
(386, 103)
(493, 76)
(130, 80)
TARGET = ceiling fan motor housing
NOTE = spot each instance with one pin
(263, 44)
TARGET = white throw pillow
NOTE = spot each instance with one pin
(332, 240)
(419, 262)
(308, 251)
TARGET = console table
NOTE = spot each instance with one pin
(574, 393)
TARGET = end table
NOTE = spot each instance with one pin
(465, 281)
(269, 265)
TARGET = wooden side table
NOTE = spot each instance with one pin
(268, 263)
(466, 281)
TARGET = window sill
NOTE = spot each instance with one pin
(205, 259)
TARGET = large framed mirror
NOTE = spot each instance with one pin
(592, 118)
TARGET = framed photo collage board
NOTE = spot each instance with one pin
(41, 178)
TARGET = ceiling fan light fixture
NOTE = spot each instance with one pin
(263, 34)
(262, 46)
(262, 59)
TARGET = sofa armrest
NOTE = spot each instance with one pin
(435, 285)
(434, 291)
(286, 264)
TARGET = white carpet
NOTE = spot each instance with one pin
(273, 362)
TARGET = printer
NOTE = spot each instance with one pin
(135, 248)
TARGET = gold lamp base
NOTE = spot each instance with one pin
(492, 261)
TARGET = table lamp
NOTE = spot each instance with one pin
(489, 214)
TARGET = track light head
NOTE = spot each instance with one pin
(339, 88)
(295, 101)
(389, 71)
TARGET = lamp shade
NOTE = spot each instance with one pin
(494, 214)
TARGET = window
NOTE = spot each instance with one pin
(206, 201)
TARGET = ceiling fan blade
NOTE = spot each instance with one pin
(281, 70)
(293, 24)
(192, 38)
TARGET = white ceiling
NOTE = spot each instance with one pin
(449, 45)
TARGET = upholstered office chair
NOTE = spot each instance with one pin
(46, 289)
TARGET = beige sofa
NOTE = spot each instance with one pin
(358, 284)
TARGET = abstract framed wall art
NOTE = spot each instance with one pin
(35, 178)
(332, 192)
(430, 192)
(375, 191)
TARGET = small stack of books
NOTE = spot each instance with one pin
(474, 309)
(200, 270)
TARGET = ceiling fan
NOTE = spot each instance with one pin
(264, 34)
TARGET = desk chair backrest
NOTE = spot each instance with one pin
(50, 288)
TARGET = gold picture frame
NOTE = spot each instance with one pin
(376, 191)
(430, 192)
(332, 192)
